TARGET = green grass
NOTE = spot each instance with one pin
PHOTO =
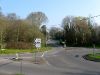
(93, 57)
(14, 51)
(19, 74)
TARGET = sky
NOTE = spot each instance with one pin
(55, 10)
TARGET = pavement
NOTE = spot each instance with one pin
(58, 61)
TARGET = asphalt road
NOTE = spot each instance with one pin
(59, 61)
(71, 60)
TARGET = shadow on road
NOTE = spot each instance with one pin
(83, 73)
(5, 64)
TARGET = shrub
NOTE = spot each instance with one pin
(19, 45)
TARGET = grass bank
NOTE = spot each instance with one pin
(14, 51)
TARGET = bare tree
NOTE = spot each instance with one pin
(37, 18)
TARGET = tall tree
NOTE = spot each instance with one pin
(43, 29)
(78, 29)
(12, 16)
(37, 18)
(2, 16)
(55, 33)
(69, 29)
(3, 26)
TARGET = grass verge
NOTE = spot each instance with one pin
(14, 51)
(93, 57)
(19, 74)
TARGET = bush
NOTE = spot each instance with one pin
(19, 45)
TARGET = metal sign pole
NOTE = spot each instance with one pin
(21, 67)
(35, 56)
(37, 45)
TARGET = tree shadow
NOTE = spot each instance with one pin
(5, 64)
(83, 73)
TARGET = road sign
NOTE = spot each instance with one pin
(37, 42)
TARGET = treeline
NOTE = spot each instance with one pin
(77, 31)
(20, 33)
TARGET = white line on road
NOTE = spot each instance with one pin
(44, 53)
(44, 57)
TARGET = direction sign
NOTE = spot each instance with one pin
(37, 42)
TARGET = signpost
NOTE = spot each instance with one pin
(37, 42)
(37, 45)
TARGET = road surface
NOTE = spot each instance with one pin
(59, 61)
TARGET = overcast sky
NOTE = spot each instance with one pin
(55, 10)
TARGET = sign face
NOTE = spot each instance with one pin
(37, 42)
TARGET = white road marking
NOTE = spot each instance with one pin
(44, 53)
(44, 58)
